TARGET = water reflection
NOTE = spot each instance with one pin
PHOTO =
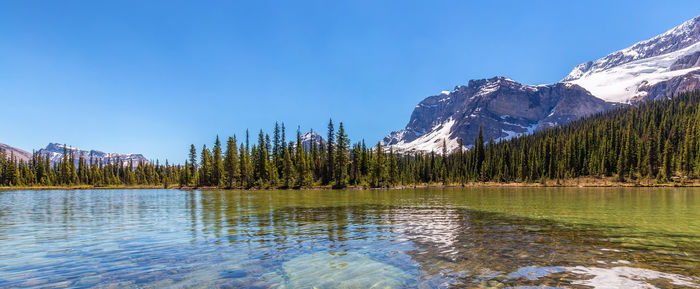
(352, 239)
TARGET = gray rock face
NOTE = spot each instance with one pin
(502, 107)
(669, 88)
(18, 154)
(687, 61)
(55, 152)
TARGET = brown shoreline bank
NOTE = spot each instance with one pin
(588, 182)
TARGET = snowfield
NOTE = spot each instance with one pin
(622, 83)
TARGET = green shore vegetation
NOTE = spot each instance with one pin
(653, 143)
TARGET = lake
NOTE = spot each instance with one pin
(411, 238)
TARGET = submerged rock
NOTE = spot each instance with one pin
(351, 270)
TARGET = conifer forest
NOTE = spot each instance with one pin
(657, 141)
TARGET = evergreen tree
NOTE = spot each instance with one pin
(217, 164)
(245, 167)
(302, 169)
(330, 164)
(341, 157)
(231, 163)
(480, 155)
(667, 161)
(288, 170)
(205, 170)
(193, 163)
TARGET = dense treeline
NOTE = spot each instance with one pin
(654, 140)
(39, 171)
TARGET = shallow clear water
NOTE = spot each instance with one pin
(423, 238)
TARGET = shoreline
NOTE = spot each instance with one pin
(587, 182)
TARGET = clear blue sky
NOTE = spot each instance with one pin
(154, 76)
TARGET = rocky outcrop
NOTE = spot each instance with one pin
(687, 61)
(669, 88)
(503, 108)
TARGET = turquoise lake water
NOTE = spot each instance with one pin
(413, 238)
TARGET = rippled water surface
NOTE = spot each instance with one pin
(423, 238)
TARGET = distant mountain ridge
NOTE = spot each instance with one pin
(55, 152)
(18, 154)
(653, 69)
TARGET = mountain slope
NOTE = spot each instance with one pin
(55, 152)
(629, 75)
(502, 107)
(19, 154)
(654, 69)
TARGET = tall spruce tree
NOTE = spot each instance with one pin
(330, 155)
(217, 164)
(341, 157)
(231, 163)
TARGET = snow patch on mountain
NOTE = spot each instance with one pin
(653, 69)
(622, 83)
(431, 141)
(621, 76)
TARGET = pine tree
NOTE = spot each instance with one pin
(245, 167)
(193, 164)
(479, 152)
(341, 157)
(288, 170)
(205, 169)
(302, 169)
(217, 164)
(667, 161)
(330, 164)
(231, 163)
(393, 168)
(379, 172)
(652, 157)
(261, 165)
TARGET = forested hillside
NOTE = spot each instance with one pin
(651, 141)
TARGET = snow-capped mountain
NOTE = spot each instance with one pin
(651, 69)
(55, 152)
(18, 154)
(502, 107)
(310, 137)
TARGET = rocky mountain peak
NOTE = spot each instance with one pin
(504, 108)
(308, 138)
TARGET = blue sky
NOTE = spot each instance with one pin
(154, 76)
